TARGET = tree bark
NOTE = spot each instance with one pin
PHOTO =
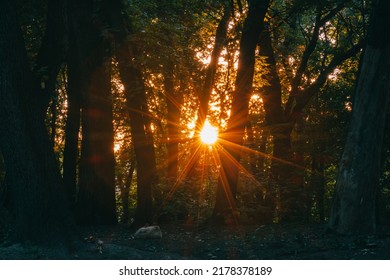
(38, 203)
(51, 54)
(271, 94)
(353, 209)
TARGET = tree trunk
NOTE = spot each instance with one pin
(232, 139)
(271, 94)
(285, 172)
(318, 183)
(51, 54)
(220, 41)
(96, 200)
(125, 192)
(207, 87)
(140, 123)
(353, 209)
(72, 128)
(38, 202)
(142, 140)
(173, 121)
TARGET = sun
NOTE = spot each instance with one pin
(209, 134)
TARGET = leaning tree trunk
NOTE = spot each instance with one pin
(232, 139)
(38, 203)
(207, 87)
(220, 42)
(353, 209)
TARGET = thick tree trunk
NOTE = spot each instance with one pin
(353, 209)
(38, 202)
(232, 139)
(51, 54)
(96, 200)
(142, 140)
(271, 94)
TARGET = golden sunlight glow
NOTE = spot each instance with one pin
(117, 147)
(209, 134)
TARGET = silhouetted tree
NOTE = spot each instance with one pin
(38, 206)
(232, 138)
(353, 210)
(96, 197)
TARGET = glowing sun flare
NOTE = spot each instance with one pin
(209, 134)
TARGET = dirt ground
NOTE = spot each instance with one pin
(272, 242)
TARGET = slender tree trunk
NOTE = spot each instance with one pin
(318, 182)
(232, 139)
(38, 202)
(173, 96)
(220, 41)
(125, 192)
(96, 200)
(53, 122)
(72, 128)
(353, 209)
(173, 118)
(208, 85)
(140, 123)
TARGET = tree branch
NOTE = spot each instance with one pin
(303, 97)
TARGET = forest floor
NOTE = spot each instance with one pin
(272, 242)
